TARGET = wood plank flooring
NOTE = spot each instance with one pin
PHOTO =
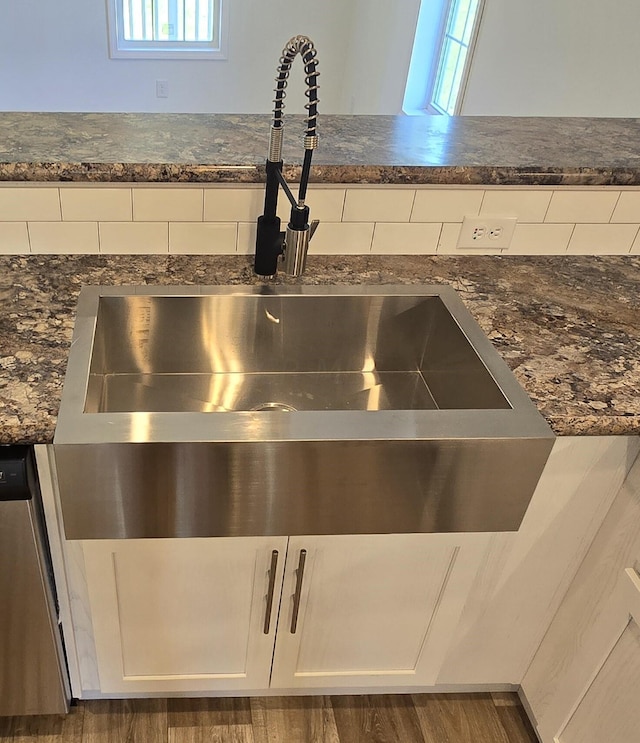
(417, 718)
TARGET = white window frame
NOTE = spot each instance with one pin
(431, 106)
(120, 48)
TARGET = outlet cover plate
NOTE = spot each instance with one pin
(486, 233)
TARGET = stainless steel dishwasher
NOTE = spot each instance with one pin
(33, 677)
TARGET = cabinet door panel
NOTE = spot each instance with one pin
(374, 609)
(610, 710)
(593, 614)
(173, 615)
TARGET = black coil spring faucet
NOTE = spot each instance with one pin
(271, 243)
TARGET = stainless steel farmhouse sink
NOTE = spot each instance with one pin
(228, 411)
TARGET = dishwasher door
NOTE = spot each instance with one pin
(32, 668)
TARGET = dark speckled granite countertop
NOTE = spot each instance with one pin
(221, 148)
(566, 325)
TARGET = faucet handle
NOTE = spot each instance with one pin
(313, 227)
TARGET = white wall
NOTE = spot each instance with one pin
(556, 58)
(57, 59)
(378, 56)
(54, 57)
(542, 57)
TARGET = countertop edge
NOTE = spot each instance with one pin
(126, 172)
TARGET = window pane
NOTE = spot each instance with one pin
(190, 20)
(168, 20)
(137, 20)
(205, 21)
(448, 67)
(457, 80)
(458, 20)
(453, 54)
(473, 9)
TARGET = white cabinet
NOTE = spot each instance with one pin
(583, 684)
(174, 615)
(189, 615)
(371, 610)
(525, 575)
(610, 709)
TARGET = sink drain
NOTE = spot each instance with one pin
(275, 406)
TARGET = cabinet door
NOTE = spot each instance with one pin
(610, 707)
(610, 710)
(590, 640)
(371, 610)
(184, 614)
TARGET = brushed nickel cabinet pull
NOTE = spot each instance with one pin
(298, 592)
(270, 591)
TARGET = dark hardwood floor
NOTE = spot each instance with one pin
(417, 718)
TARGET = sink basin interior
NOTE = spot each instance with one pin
(219, 353)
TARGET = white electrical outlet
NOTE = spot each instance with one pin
(162, 88)
(486, 232)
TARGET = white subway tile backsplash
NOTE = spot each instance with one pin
(325, 204)
(247, 204)
(134, 237)
(331, 238)
(582, 206)
(628, 208)
(449, 237)
(404, 239)
(378, 205)
(540, 239)
(335, 238)
(167, 204)
(63, 237)
(233, 204)
(96, 204)
(526, 205)
(202, 237)
(595, 239)
(381, 219)
(14, 238)
(29, 204)
(446, 205)
(246, 238)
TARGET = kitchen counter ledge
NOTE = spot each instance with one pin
(566, 326)
(231, 148)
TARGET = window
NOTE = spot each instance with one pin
(443, 46)
(452, 64)
(175, 29)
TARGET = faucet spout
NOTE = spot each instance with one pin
(271, 243)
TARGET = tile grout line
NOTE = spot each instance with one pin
(546, 211)
(573, 229)
(344, 199)
(29, 237)
(440, 231)
(633, 242)
(615, 206)
(413, 203)
(484, 193)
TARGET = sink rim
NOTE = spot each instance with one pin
(74, 426)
